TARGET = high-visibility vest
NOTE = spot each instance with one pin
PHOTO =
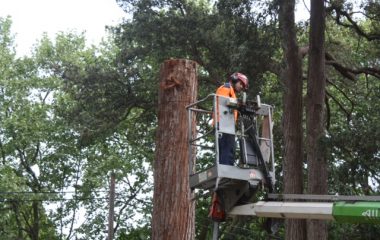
(226, 90)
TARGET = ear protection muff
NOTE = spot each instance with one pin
(234, 78)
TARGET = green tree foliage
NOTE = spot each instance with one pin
(50, 173)
(352, 119)
(345, 13)
(222, 38)
(25, 136)
(352, 101)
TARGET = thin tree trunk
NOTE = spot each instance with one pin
(173, 209)
(292, 118)
(316, 160)
(15, 208)
(111, 212)
(36, 221)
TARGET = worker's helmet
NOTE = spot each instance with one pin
(235, 77)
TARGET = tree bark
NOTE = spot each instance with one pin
(111, 211)
(292, 118)
(36, 221)
(173, 209)
(316, 160)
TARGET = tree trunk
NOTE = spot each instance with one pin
(173, 209)
(35, 230)
(111, 211)
(316, 161)
(292, 118)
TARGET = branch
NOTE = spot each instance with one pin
(339, 104)
(3, 155)
(28, 169)
(352, 24)
(328, 112)
(134, 192)
(345, 72)
(126, 204)
(350, 73)
(348, 114)
(368, 71)
(29, 231)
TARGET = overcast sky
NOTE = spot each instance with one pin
(33, 17)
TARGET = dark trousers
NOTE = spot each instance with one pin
(227, 149)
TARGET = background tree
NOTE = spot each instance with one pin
(292, 119)
(25, 129)
(43, 150)
(315, 112)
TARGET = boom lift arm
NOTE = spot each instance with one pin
(343, 209)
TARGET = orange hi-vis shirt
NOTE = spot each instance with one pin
(226, 90)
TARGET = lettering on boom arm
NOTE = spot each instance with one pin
(371, 213)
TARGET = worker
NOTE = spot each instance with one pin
(237, 83)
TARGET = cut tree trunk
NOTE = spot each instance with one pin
(173, 209)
